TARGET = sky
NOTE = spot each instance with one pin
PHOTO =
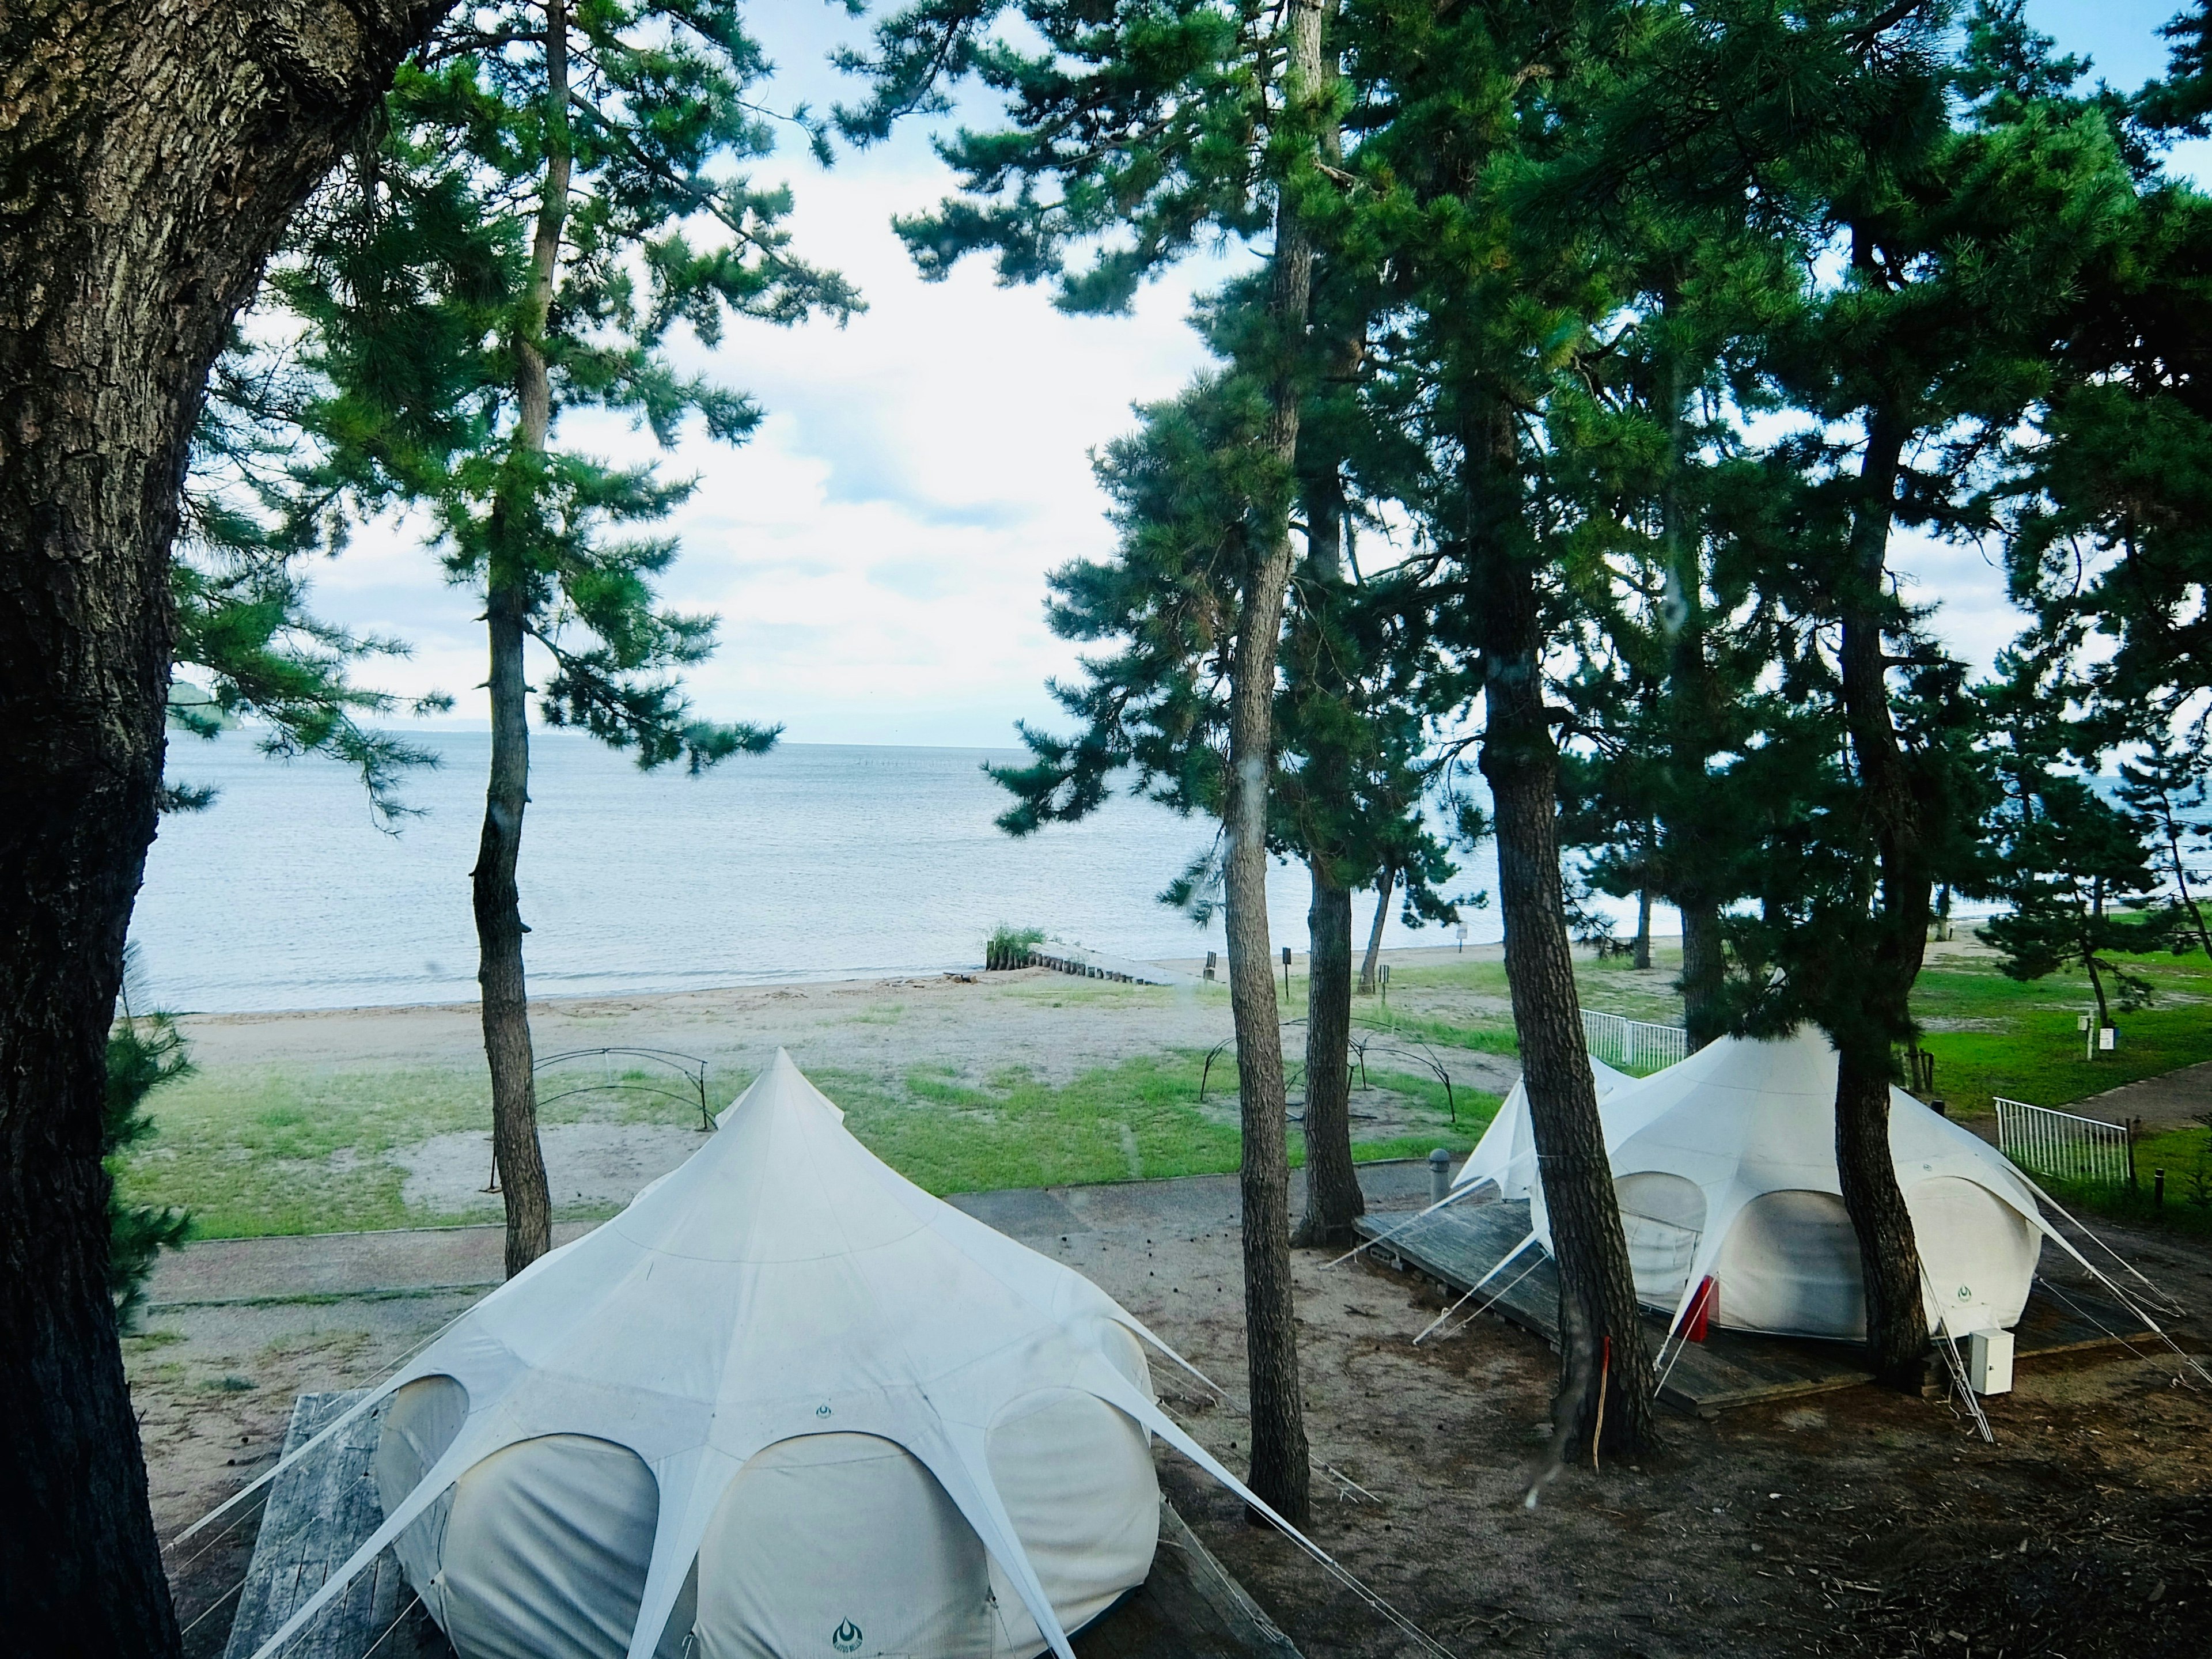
(877, 552)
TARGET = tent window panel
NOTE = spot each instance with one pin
(546, 1553)
(840, 1544)
(1978, 1251)
(1790, 1266)
(1077, 1479)
(420, 1422)
(1664, 1217)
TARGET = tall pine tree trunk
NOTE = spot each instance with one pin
(1641, 951)
(1280, 1472)
(1367, 964)
(1601, 1327)
(1703, 972)
(505, 998)
(517, 524)
(1897, 1323)
(1692, 703)
(2171, 831)
(152, 158)
(1334, 1200)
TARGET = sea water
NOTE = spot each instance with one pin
(815, 861)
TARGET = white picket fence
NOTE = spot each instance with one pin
(1634, 1045)
(2061, 1143)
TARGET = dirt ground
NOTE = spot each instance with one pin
(1851, 1523)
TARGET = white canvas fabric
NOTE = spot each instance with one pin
(1725, 1166)
(784, 1403)
(1505, 1157)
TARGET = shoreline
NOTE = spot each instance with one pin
(833, 981)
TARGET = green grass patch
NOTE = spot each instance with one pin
(273, 1150)
(2026, 1044)
(2185, 1155)
(1140, 1120)
(1479, 978)
(268, 1151)
(1489, 1037)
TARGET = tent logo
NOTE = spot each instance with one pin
(821, 1410)
(846, 1638)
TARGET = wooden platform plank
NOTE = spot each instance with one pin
(1458, 1246)
(321, 1508)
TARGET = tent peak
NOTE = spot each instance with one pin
(781, 1085)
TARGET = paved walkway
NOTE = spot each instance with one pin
(2174, 1100)
(245, 1272)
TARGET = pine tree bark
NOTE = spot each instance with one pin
(1703, 972)
(1689, 849)
(516, 526)
(1280, 1472)
(500, 978)
(1368, 963)
(1334, 1200)
(152, 157)
(1600, 1324)
(2170, 831)
(1897, 1322)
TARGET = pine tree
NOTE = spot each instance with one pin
(1152, 129)
(2106, 511)
(145, 1053)
(2068, 859)
(247, 646)
(546, 203)
(2169, 788)
(1958, 242)
(152, 159)
(1499, 301)
(1676, 641)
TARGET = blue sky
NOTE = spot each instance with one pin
(876, 553)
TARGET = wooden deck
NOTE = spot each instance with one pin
(321, 1508)
(318, 1511)
(1457, 1245)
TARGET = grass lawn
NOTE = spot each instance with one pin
(1993, 1035)
(305, 1149)
(296, 1152)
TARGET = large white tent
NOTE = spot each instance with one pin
(1505, 1157)
(1725, 1167)
(786, 1402)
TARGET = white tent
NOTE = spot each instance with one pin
(1505, 1157)
(1725, 1166)
(786, 1402)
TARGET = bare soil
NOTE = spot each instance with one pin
(1858, 1522)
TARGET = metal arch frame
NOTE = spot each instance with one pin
(693, 1068)
(1359, 1048)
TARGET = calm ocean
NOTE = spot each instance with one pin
(816, 862)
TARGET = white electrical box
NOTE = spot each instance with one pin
(1988, 1361)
